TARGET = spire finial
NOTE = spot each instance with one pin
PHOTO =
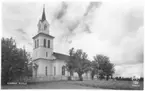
(43, 6)
(43, 14)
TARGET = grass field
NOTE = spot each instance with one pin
(87, 84)
(118, 85)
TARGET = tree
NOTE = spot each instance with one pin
(106, 68)
(94, 69)
(14, 60)
(30, 66)
(78, 62)
(70, 63)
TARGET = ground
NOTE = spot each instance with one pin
(47, 85)
(88, 84)
(111, 84)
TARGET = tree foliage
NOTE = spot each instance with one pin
(78, 62)
(14, 60)
(104, 66)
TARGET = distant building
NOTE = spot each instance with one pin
(47, 65)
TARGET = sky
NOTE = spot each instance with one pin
(114, 29)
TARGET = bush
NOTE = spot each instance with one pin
(69, 78)
(141, 79)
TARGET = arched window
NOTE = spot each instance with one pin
(63, 70)
(54, 71)
(36, 53)
(48, 43)
(46, 54)
(37, 42)
(44, 42)
(46, 70)
(45, 27)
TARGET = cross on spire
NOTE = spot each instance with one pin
(43, 14)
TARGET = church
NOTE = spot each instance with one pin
(48, 65)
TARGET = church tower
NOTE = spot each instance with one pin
(43, 41)
(46, 63)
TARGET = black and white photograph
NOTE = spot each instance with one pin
(96, 45)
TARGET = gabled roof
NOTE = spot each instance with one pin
(61, 56)
(42, 34)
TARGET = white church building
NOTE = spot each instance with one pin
(48, 65)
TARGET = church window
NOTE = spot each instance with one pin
(48, 43)
(45, 27)
(37, 42)
(36, 53)
(46, 70)
(54, 71)
(46, 54)
(35, 72)
(44, 42)
(63, 70)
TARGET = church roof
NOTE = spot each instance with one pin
(61, 56)
(42, 34)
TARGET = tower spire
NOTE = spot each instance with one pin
(43, 14)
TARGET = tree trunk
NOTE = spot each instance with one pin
(70, 78)
(92, 75)
(5, 75)
(101, 77)
(111, 77)
(80, 77)
(107, 77)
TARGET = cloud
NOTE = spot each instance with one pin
(74, 20)
(62, 11)
(91, 6)
(21, 31)
(134, 20)
(22, 38)
(129, 70)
